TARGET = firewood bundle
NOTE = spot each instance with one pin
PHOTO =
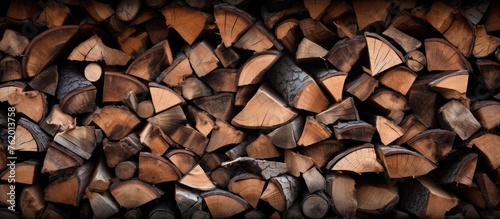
(250, 109)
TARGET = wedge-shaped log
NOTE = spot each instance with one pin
(103, 204)
(117, 152)
(317, 32)
(93, 50)
(391, 104)
(223, 204)
(164, 97)
(115, 121)
(75, 93)
(370, 13)
(345, 111)
(150, 63)
(258, 38)
(31, 201)
(442, 56)
(342, 190)
(281, 192)
(383, 55)
(297, 163)
(202, 58)
(220, 106)
(286, 136)
(407, 42)
(452, 85)
(169, 120)
(184, 160)
(309, 50)
(196, 178)
(222, 80)
(71, 188)
(485, 145)
(354, 130)
(399, 79)
(487, 113)
(485, 44)
(188, 137)
(387, 130)
(322, 151)
(316, 8)
(362, 87)
(262, 148)
(29, 137)
(375, 195)
(489, 74)
(458, 170)
(400, 162)
(252, 72)
(289, 34)
(248, 186)
(314, 180)
(224, 135)
(118, 85)
(424, 105)
(266, 109)
(359, 159)
(174, 74)
(232, 23)
(434, 144)
(59, 158)
(313, 132)
(187, 21)
(155, 169)
(27, 172)
(125, 193)
(456, 117)
(32, 104)
(13, 43)
(193, 88)
(345, 53)
(81, 140)
(411, 127)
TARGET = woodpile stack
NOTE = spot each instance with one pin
(250, 109)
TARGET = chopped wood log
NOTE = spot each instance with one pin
(93, 72)
(289, 34)
(31, 201)
(54, 15)
(411, 127)
(262, 148)
(258, 38)
(387, 130)
(176, 72)
(399, 79)
(322, 151)
(219, 106)
(187, 21)
(10, 69)
(370, 13)
(232, 23)
(345, 111)
(29, 137)
(152, 137)
(202, 58)
(193, 88)
(71, 188)
(127, 10)
(485, 146)
(263, 168)
(415, 60)
(456, 117)
(80, 140)
(163, 97)
(150, 63)
(295, 211)
(125, 193)
(425, 198)
(45, 48)
(345, 53)
(224, 134)
(407, 42)
(244, 94)
(157, 30)
(489, 77)
(188, 200)
(210, 161)
(383, 55)
(59, 158)
(434, 144)
(196, 178)
(13, 43)
(491, 193)
(316, 8)
(222, 80)
(237, 151)
(118, 85)
(272, 18)
(443, 56)
(248, 186)
(389, 103)
(191, 139)
(362, 87)
(296, 163)
(354, 130)
(32, 104)
(155, 169)
(342, 190)
(252, 72)
(287, 135)
(97, 10)
(162, 209)
(315, 205)
(75, 93)
(221, 177)
(424, 103)
(336, 10)
(93, 50)
(313, 132)
(308, 50)
(227, 56)
(184, 160)
(476, 10)
(359, 159)
(117, 152)
(451, 85)
(484, 111)
(458, 170)
(204, 123)
(400, 162)
(314, 180)
(125, 170)
(376, 196)
(281, 192)
(275, 113)
(101, 177)
(223, 204)
(317, 32)
(145, 109)
(103, 204)
(169, 120)
(26, 172)
(296, 86)
(115, 121)
(484, 44)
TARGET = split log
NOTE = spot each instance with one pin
(248, 186)
(227, 56)
(316, 9)
(117, 152)
(308, 51)
(399, 79)
(127, 10)
(80, 140)
(451, 85)
(359, 159)
(204, 123)
(222, 80)
(333, 81)
(376, 196)
(322, 151)
(196, 178)
(424, 105)
(153, 138)
(30, 137)
(281, 192)
(31, 201)
(362, 87)
(313, 132)
(193, 88)
(97, 10)
(434, 144)
(174, 74)
(263, 168)
(459, 170)
(150, 63)
(389, 103)
(224, 204)
(75, 93)
(71, 188)
(317, 32)
(188, 201)
(163, 97)
(103, 204)
(415, 60)
(443, 56)
(342, 190)
(220, 106)
(125, 193)
(314, 180)
(370, 13)
(252, 72)
(490, 80)
(407, 42)
(484, 44)
(258, 38)
(155, 169)
(118, 85)
(187, 21)
(191, 139)
(484, 144)
(224, 135)
(13, 43)
(411, 127)
(10, 69)
(491, 193)
(355, 130)
(387, 130)
(262, 148)
(484, 111)
(32, 104)
(115, 121)
(26, 172)
(286, 136)
(93, 50)
(456, 117)
(54, 15)
(59, 158)
(383, 55)
(232, 23)
(296, 163)
(345, 53)
(400, 162)
(202, 58)
(289, 34)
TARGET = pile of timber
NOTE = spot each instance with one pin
(251, 109)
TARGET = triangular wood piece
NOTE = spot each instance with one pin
(258, 38)
(266, 109)
(345, 111)
(202, 58)
(155, 169)
(75, 93)
(314, 180)
(71, 188)
(484, 44)
(123, 191)
(11, 69)
(248, 186)
(442, 56)
(13, 43)
(150, 63)
(399, 79)
(29, 137)
(376, 195)
(487, 113)
(26, 172)
(362, 87)
(93, 50)
(222, 80)
(119, 151)
(262, 148)
(81, 140)
(252, 72)
(227, 56)
(169, 120)
(370, 12)
(400, 162)
(192, 88)
(151, 137)
(489, 74)
(316, 8)
(359, 159)
(434, 144)
(407, 42)
(411, 127)
(59, 158)
(391, 104)
(232, 23)
(225, 134)
(289, 34)
(287, 135)
(354, 130)
(451, 85)
(197, 179)
(322, 151)
(491, 193)
(297, 163)
(219, 106)
(383, 55)
(424, 104)
(333, 81)
(187, 21)
(174, 74)
(118, 85)
(115, 121)
(487, 148)
(32, 104)
(281, 192)
(184, 160)
(98, 10)
(203, 122)
(456, 117)
(46, 81)
(387, 130)
(313, 132)
(342, 190)
(345, 53)
(308, 50)
(163, 97)
(45, 48)
(317, 32)
(458, 170)
(223, 204)
(265, 169)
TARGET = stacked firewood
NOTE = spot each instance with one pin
(250, 109)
